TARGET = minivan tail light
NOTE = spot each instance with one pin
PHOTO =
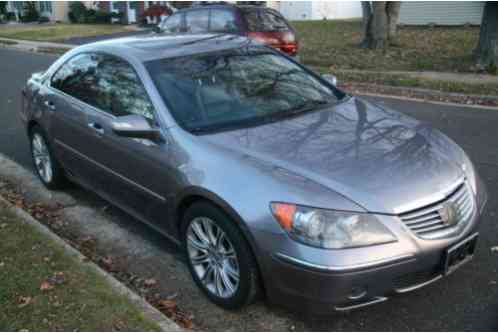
(284, 41)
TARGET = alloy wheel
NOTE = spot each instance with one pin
(41, 157)
(213, 257)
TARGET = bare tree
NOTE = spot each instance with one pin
(486, 52)
(380, 20)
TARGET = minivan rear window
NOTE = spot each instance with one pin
(264, 21)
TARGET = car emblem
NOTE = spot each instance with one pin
(448, 213)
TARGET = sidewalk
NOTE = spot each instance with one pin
(467, 78)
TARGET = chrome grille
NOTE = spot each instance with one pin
(428, 222)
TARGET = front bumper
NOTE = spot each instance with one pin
(322, 289)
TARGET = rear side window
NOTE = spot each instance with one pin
(173, 24)
(105, 82)
(77, 78)
(222, 21)
(265, 21)
(197, 21)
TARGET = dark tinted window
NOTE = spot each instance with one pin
(236, 89)
(77, 78)
(265, 21)
(222, 21)
(172, 24)
(197, 20)
(105, 82)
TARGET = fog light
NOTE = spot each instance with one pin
(357, 292)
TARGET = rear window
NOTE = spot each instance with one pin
(265, 21)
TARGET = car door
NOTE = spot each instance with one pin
(132, 172)
(65, 97)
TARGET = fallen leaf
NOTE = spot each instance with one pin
(3, 225)
(57, 279)
(2, 264)
(150, 282)
(45, 286)
(23, 301)
(167, 305)
(494, 249)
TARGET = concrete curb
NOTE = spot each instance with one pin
(36, 47)
(166, 324)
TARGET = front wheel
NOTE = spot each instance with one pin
(219, 257)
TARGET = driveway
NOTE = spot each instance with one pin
(465, 301)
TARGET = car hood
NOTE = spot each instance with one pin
(380, 159)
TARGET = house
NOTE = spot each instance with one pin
(441, 13)
(55, 11)
(132, 11)
(317, 10)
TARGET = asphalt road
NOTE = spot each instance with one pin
(465, 301)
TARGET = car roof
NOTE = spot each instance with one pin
(158, 46)
(223, 6)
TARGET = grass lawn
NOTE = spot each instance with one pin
(43, 289)
(58, 32)
(333, 44)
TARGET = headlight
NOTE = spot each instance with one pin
(331, 229)
(468, 169)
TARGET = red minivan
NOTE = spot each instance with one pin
(263, 24)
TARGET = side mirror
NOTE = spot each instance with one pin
(135, 126)
(156, 29)
(330, 79)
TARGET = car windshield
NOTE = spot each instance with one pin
(220, 91)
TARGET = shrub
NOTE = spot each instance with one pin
(77, 12)
(43, 19)
(10, 16)
(30, 14)
(90, 16)
(102, 17)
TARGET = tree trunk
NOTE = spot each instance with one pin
(379, 25)
(367, 23)
(486, 52)
(380, 19)
(392, 9)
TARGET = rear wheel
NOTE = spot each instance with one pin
(218, 256)
(46, 165)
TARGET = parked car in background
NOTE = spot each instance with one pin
(271, 178)
(262, 24)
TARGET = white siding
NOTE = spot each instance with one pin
(296, 10)
(441, 13)
(336, 10)
(317, 10)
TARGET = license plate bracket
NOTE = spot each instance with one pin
(460, 253)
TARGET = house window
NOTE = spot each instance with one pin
(18, 5)
(45, 6)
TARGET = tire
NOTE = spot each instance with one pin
(51, 173)
(245, 291)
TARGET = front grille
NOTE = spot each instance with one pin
(428, 222)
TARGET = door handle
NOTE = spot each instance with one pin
(96, 127)
(50, 105)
